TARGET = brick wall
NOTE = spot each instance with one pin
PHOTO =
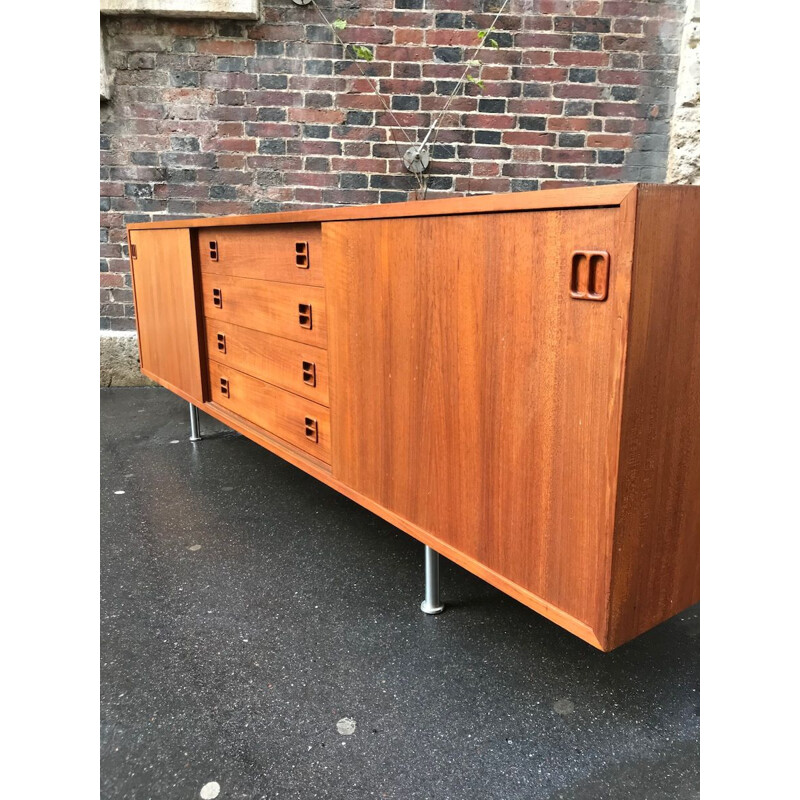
(211, 117)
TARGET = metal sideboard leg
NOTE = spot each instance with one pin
(431, 604)
(194, 422)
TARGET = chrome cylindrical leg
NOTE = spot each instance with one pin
(431, 604)
(194, 422)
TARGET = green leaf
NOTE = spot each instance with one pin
(493, 43)
(339, 24)
(363, 53)
(476, 81)
(481, 35)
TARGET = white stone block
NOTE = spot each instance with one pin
(211, 9)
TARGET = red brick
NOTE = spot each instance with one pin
(618, 110)
(372, 165)
(232, 145)
(490, 121)
(469, 184)
(617, 142)
(562, 184)
(437, 103)
(406, 119)
(581, 58)
(227, 47)
(535, 106)
(308, 147)
(318, 115)
(551, 41)
(364, 102)
(490, 73)
(486, 169)
(231, 161)
(625, 25)
(192, 28)
(357, 150)
(574, 124)
(624, 77)
(272, 130)
(618, 125)
(553, 6)
(467, 38)
(309, 195)
(529, 138)
(111, 280)
(532, 22)
(409, 36)
(400, 86)
(230, 130)
(605, 172)
(405, 19)
(559, 156)
(108, 189)
(530, 170)
(443, 71)
(305, 178)
(625, 43)
(403, 53)
(367, 35)
(277, 33)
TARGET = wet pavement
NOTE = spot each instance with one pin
(263, 632)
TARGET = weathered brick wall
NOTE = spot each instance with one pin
(211, 117)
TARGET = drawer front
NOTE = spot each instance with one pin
(282, 309)
(288, 253)
(301, 368)
(301, 422)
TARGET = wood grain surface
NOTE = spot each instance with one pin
(166, 309)
(267, 306)
(277, 411)
(265, 252)
(579, 197)
(656, 563)
(472, 395)
(269, 358)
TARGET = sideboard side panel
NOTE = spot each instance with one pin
(656, 554)
(473, 397)
(166, 310)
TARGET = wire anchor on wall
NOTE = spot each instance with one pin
(416, 158)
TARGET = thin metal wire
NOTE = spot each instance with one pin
(422, 179)
(374, 89)
(464, 75)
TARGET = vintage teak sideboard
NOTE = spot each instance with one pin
(511, 379)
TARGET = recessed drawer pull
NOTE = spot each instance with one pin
(133, 251)
(221, 345)
(312, 430)
(309, 373)
(217, 294)
(213, 251)
(301, 255)
(304, 315)
(589, 275)
(225, 387)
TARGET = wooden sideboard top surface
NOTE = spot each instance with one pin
(582, 197)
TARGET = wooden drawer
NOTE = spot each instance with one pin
(301, 422)
(288, 253)
(301, 368)
(282, 309)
